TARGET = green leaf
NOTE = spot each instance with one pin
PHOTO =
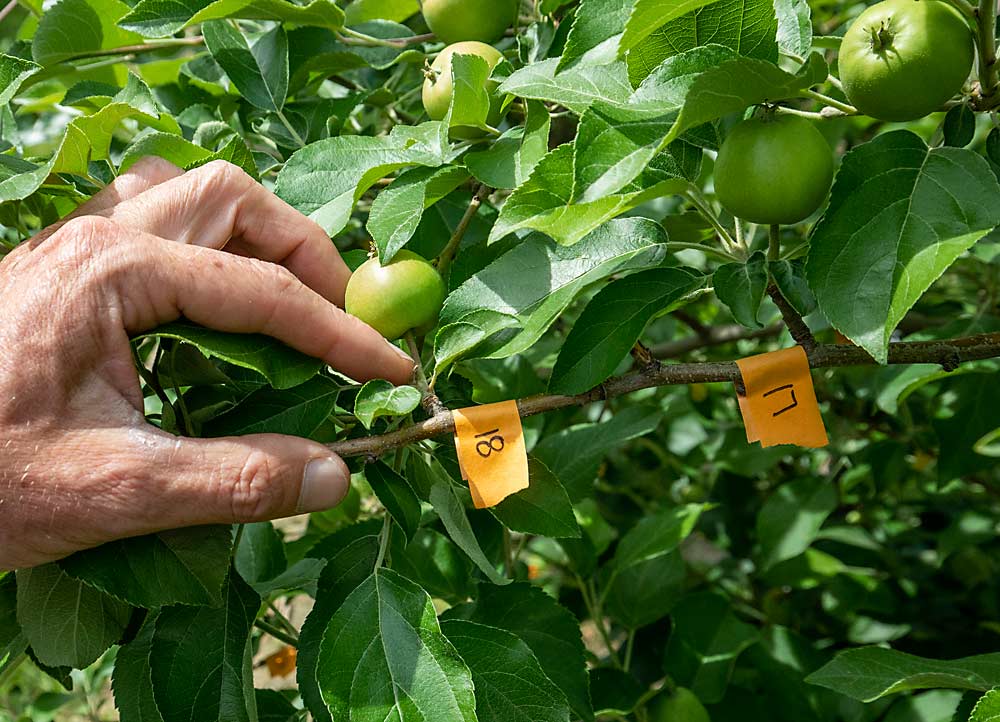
(259, 72)
(449, 507)
(791, 518)
(656, 535)
(197, 658)
(549, 278)
(550, 630)
(959, 126)
(161, 18)
(794, 26)
(86, 138)
(179, 566)
(386, 632)
(543, 508)
(434, 562)
(12, 640)
(77, 27)
(66, 622)
(546, 201)
(13, 72)
(325, 179)
(361, 11)
(595, 23)
(741, 287)
(614, 692)
(273, 706)
(511, 159)
(705, 640)
(397, 210)
(987, 709)
(396, 496)
(380, 398)
(869, 673)
(977, 398)
(351, 563)
(300, 411)
(648, 16)
(510, 684)
(261, 554)
(790, 278)
(645, 576)
(575, 88)
(235, 152)
(132, 682)
(900, 214)
(282, 366)
(470, 98)
(612, 322)
(748, 27)
(574, 454)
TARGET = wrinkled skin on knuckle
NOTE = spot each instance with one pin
(252, 493)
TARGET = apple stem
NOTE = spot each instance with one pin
(448, 254)
(428, 399)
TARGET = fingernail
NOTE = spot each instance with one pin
(400, 352)
(324, 484)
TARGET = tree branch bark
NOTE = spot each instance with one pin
(948, 353)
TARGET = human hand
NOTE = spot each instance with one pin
(79, 465)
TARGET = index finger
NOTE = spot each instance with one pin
(219, 206)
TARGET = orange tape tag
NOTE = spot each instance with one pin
(282, 663)
(491, 451)
(780, 403)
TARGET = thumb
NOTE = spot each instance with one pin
(255, 478)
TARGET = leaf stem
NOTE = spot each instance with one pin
(288, 126)
(7, 9)
(147, 47)
(383, 540)
(699, 201)
(349, 36)
(277, 633)
(448, 254)
(845, 108)
(718, 252)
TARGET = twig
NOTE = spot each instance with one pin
(793, 320)
(428, 399)
(353, 37)
(277, 633)
(448, 254)
(7, 9)
(948, 353)
(141, 48)
(714, 336)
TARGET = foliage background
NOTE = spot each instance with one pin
(687, 557)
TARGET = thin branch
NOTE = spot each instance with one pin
(448, 254)
(845, 108)
(428, 399)
(714, 336)
(141, 48)
(7, 9)
(277, 633)
(793, 320)
(948, 353)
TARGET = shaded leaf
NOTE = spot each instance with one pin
(543, 508)
(386, 632)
